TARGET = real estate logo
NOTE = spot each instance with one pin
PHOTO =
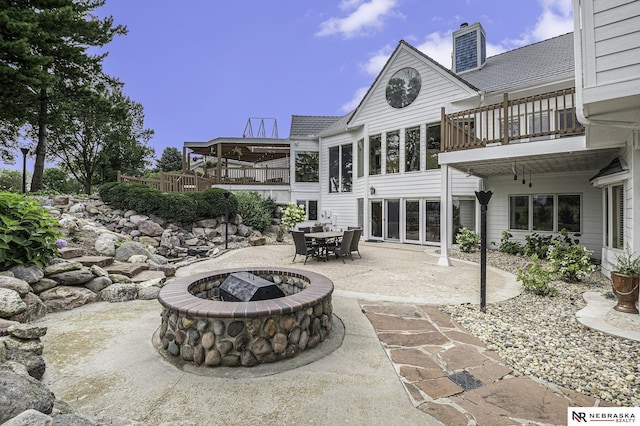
(603, 415)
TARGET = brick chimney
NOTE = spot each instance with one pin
(469, 48)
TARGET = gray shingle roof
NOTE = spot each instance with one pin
(337, 126)
(305, 126)
(548, 59)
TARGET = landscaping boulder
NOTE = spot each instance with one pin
(35, 309)
(98, 284)
(33, 362)
(16, 284)
(60, 267)
(19, 393)
(130, 248)
(43, 284)
(78, 277)
(119, 293)
(30, 417)
(29, 274)
(105, 244)
(150, 228)
(10, 303)
(64, 298)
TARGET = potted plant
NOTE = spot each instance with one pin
(625, 278)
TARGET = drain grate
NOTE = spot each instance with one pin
(465, 380)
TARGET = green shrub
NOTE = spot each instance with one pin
(537, 244)
(468, 240)
(28, 233)
(572, 262)
(11, 180)
(212, 203)
(106, 191)
(178, 208)
(254, 209)
(537, 279)
(57, 180)
(508, 246)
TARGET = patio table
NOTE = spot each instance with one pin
(323, 239)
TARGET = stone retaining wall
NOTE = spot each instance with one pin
(197, 328)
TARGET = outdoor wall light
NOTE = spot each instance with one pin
(372, 190)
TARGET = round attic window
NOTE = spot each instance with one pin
(403, 87)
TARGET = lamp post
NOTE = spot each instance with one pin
(226, 220)
(483, 198)
(25, 151)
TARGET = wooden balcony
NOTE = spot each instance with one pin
(534, 118)
(252, 175)
(174, 182)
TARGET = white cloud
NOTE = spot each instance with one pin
(438, 47)
(366, 18)
(355, 100)
(556, 19)
(375, 63)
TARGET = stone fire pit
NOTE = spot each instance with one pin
(197, 326)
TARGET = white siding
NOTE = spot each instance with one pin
(611, 30)
(572, 183)
(339, 209)
(378, 117)
(437, 91)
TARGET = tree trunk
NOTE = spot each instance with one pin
(41, 149)
(87, 185)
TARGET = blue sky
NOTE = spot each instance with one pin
(201, 68)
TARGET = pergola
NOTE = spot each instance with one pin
(235, 153)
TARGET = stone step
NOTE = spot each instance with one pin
(128, 269)
(89, 261)
(70, 252)
(147, 275)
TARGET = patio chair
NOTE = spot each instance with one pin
(317, 229)
(305, 229)
(357, 233)
(302, 248)
(343, 248)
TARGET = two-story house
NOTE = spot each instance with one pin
(405, 164)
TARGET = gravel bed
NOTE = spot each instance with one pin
(540, 336)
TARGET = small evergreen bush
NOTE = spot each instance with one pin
(177, 208)
(211, 203)
(254, 210)
(468, 240)
(28, 234)
(537, 279)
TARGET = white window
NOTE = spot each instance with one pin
(310, 208)
(614, 216)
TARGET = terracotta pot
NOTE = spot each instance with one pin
(625, 287)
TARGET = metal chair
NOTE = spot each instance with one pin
(302, 248)
(343, 248)
(357, 233)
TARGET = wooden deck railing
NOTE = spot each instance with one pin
(172, 182)
(253, 176)
(546, 116)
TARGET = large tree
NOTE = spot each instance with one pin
(171, 160)
(101, 126)
(45, 44)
